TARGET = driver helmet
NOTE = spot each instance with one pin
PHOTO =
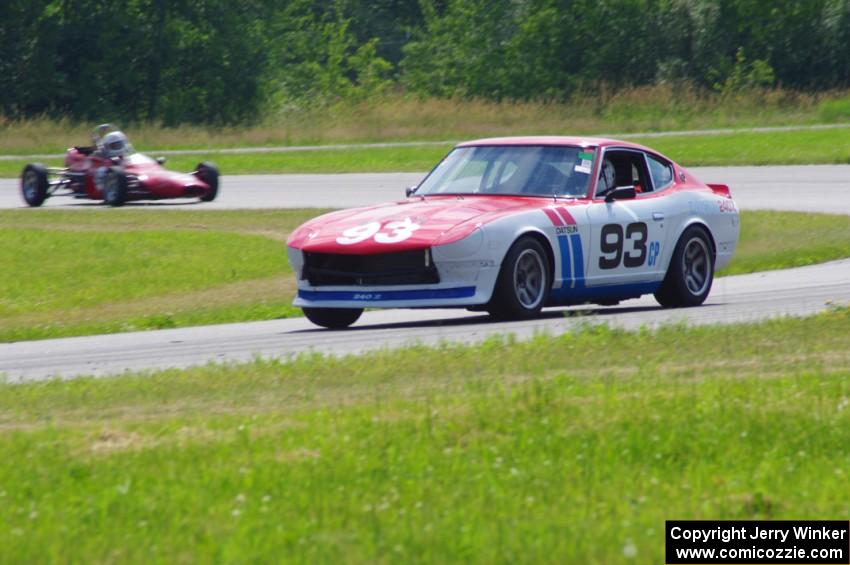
(115, 144)
(606, 177)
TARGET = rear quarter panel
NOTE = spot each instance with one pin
(702, 206)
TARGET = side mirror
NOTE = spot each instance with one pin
(408, 192)
(161, 160)
(621, 193)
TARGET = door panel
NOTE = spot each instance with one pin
(626, 241)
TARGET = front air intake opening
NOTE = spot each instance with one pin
(402, 268)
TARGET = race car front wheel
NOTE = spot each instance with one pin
(115, 187)
(34, 184)
(208, 173)
(333, 318)
(691, 271)
(523, 283)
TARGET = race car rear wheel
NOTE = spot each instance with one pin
(208, 173)
(333, 318)
(115, 187)
(691, 271)
(34, 184)
(523, 283)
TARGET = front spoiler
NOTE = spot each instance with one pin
(456, 296)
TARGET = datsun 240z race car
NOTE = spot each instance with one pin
(515, 224)
(112, 171)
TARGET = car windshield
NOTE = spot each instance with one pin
(527, 170)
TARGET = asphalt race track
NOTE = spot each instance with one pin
(742, 298)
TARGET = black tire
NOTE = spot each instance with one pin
(691, 271)
(34, 184)
(115, 187)
(333, 318)
(523, 283)
(208, 173)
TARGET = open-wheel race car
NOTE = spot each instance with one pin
(112, 171)
(511, 225)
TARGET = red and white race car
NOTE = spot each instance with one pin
(511, 225)
(111, 170)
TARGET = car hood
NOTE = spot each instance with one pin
(415, 223)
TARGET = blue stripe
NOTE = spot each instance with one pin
(566, 267)
(386, 295)
(578, 257)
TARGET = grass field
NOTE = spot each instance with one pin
(84, 272)
(104, 271)
(765, 244)
(563, 449)
(573, 448)
(398, 118)
(405, 118)
(773, 148)
(765, 148)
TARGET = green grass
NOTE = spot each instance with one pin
(562, 449)
(400, 118)
(774, 148)
(393, 159)
(779, 240)
(404, 118)
(92, 268)
(767, 148)
(85, 272)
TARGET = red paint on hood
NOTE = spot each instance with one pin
(441, 220)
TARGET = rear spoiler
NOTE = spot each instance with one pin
(721, 189)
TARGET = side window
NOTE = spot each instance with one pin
(623, 168)
(661, 172)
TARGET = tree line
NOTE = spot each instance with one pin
(220, 61)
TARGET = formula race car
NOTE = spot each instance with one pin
(112, 171)
(511, 225)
